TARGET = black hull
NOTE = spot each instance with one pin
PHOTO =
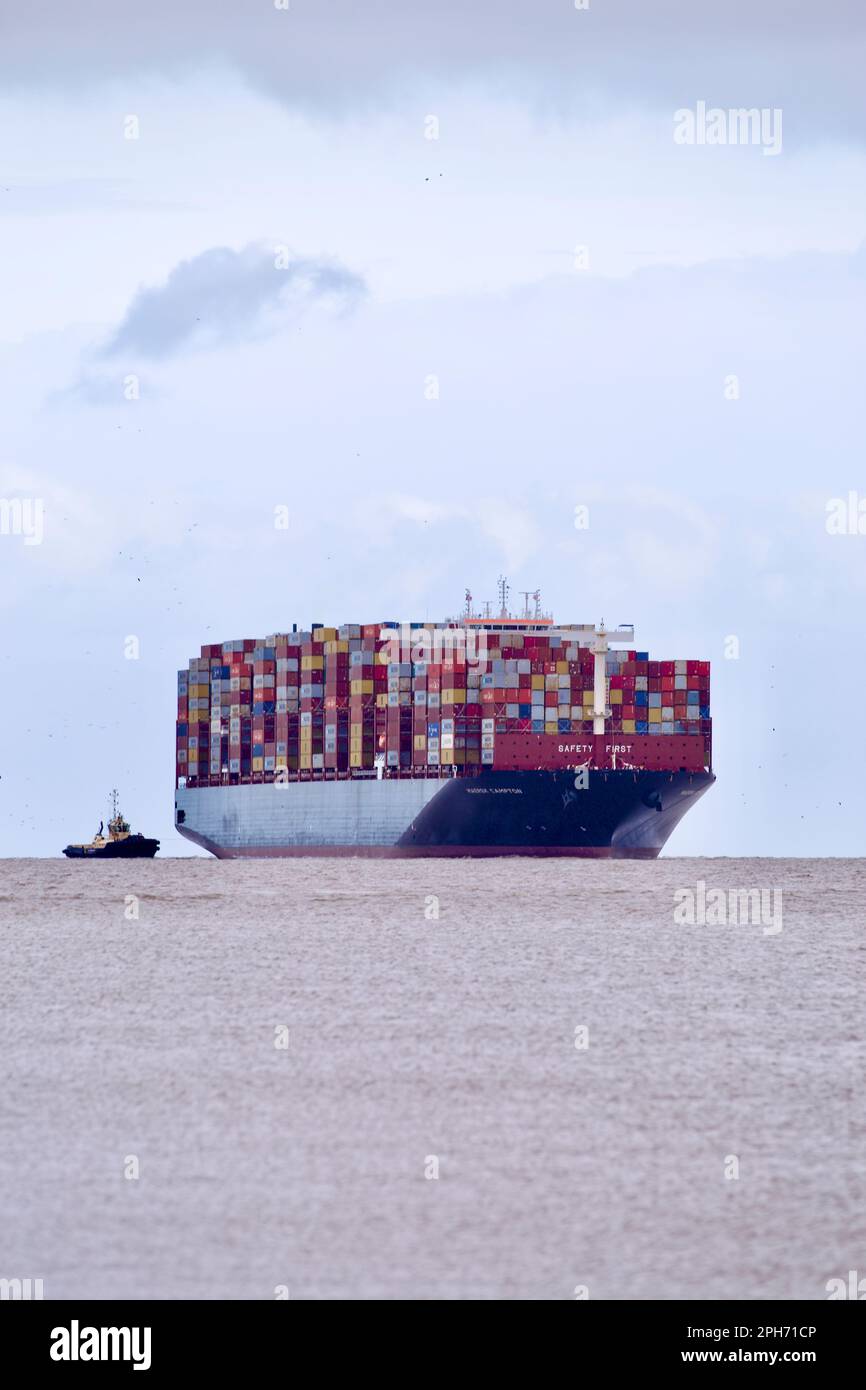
(136, 847)
(619, 815)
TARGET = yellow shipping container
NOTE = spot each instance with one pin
(615, 697)
(381, 701)
(562, 668)
(538, 682)
(551, 727)
(588, 698)
(326, 634)
(312, 663)
(258, 764)
(420, 743)
(628, 726)
(447, 756)
(359, 687)
(655, 716)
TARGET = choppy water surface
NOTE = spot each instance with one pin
(416, 1040)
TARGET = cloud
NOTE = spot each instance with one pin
(512, 533)
(510, 528)
(222, 296)
(333, 55)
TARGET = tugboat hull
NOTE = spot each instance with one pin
(133, 847)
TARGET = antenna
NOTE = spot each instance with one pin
(487, 608)
(535, 596)
(502, 585)
(114, 804)
(468, 604)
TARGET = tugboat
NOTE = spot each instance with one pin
(120, 843)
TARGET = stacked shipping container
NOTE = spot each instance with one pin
(331, 702)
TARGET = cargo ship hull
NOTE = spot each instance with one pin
(621, 814)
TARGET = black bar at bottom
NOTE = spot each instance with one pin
(164, 1339)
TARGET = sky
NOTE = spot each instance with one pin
(431, 277)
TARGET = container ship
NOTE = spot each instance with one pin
(481, 735)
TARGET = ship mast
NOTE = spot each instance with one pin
(502, 586)
(599, 648)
